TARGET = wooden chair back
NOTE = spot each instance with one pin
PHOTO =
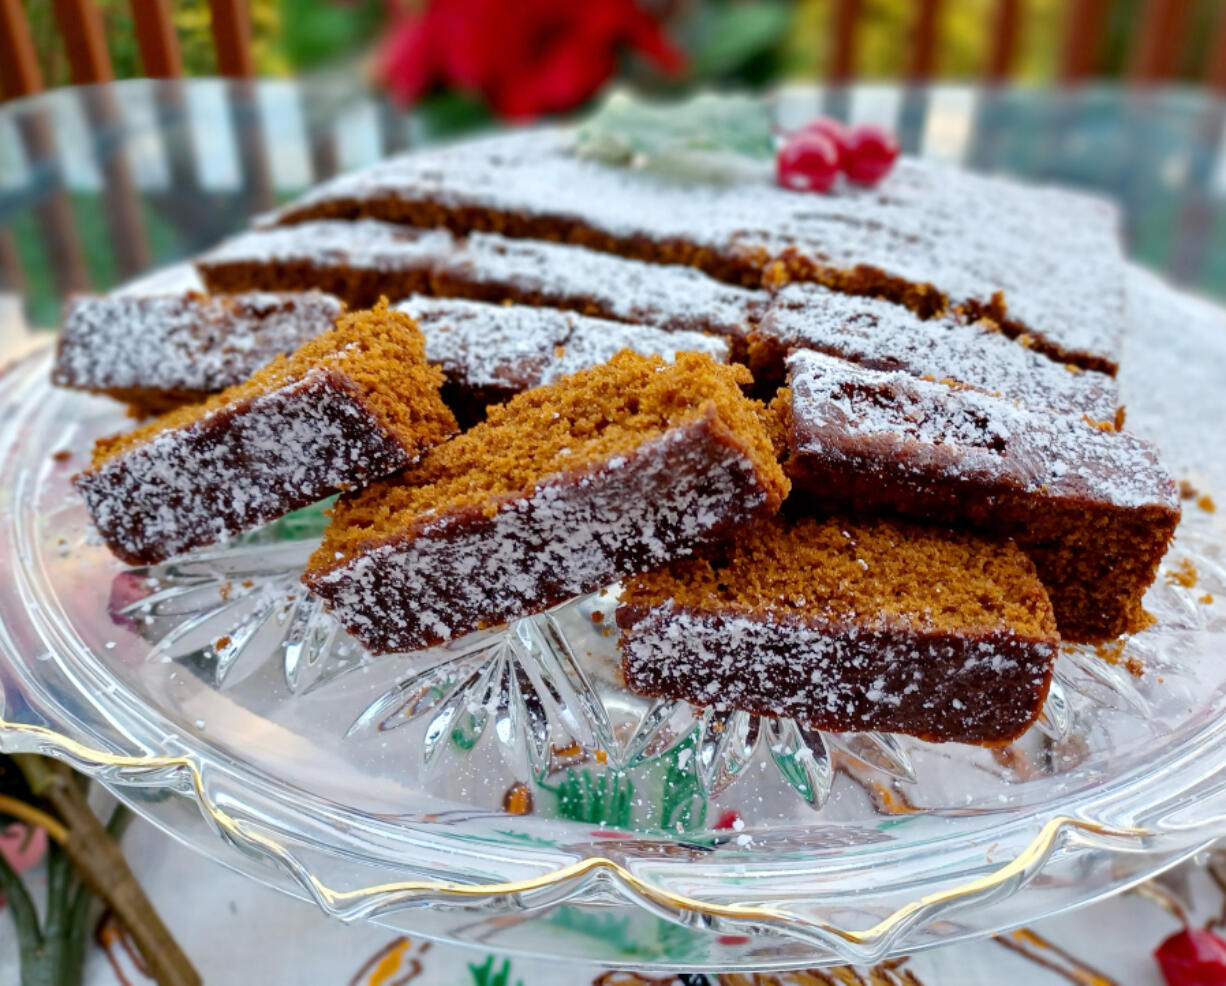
(79, 23)
(1157, 37)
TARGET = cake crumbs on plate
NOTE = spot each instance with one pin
(1113, 653)
(1183, 574)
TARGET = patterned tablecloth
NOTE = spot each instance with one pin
(236, 931)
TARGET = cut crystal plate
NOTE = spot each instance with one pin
(505, 789)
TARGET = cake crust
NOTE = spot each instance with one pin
(1041, 262)
(562, 490)
(882, 335)
(1093, 507)
(848, 626)
(301, 429)
(156, 352)
(490, 352)
(359, 262)
(490, 267)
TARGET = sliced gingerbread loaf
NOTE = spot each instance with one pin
(354, 404)
(881, 335)
(360, 262)
(848, 625)
(155, 352)
(562, 490)
(1041, 262)
(1093, 507)
(535, 272)
(491, 352)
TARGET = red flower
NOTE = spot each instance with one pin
(526, 58)
(21, 847)
(1192, 957)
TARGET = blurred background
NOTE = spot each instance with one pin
(724, 41)
(268, 96)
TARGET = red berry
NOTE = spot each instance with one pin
(871, 153)
(808, 162)
(830, 128)
(1192, 957)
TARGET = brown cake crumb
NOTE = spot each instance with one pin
(1183, 574)
(1187, 491)
(848, 625)
(356, 403)
(562, 490)
(1205, 502)
(1113, 653)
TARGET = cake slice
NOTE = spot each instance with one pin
(490, 267)
(1043, 263)
(155, 352)
(357, 261)
(562, 490)
(1093, 507)
(491, 352)
(881, 335)
(848, 625)
(356, 403)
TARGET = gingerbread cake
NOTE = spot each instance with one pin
(491, 352)
(1093, 507)
(495, 268)
(357, 261)
(155, 352)
(562, 490)
(848, 625)
(354, 404)
(881, 335)
(1043, 263)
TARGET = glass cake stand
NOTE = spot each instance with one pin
(504, 790)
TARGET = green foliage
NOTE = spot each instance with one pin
(627, 939)
(314, 33)
(682, 804)
(726, 35)
(676, 137)
(486, 975)
(746, 41)
(309, 522)
(448, 113)
(52, 950)
(607, 799)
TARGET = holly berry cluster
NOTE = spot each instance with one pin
(812, 157)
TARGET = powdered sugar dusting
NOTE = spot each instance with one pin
(236, 468)
(881, 335)
(571, 533)
(516, 347)
(838, 678)
(665, 295)
(365, 244)
(185, 342)
(839, 409)
(1055, 255)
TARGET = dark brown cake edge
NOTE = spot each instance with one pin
(450, 575)
(108, 481)
(1003, 707)
(1095, 593)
